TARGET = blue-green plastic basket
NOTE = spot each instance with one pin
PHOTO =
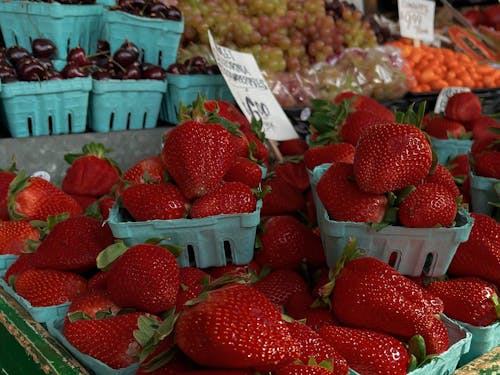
(96, 366)
(208, 242)
(445, 363)
(5, 262)
(482, 191)
(46, 107)
(186, 88)
(125, 104)
(417, 250)
(66, 25)
(157, 39)
(447, 149)
(39, 314)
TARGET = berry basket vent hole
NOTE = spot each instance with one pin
(191, 255)
(429, 262)
(394, 259)
(51, 125)
(30, 126)
(228, 253)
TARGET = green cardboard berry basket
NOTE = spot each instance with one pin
(66, 25)
(157, 39)
(482, 191)
(185, 88)
(417, 250)
(125, 104)
(46, 107)
(447, 149)
(207, 242)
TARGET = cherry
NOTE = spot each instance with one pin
(16, 53)
(174, 14)
(102, 74)
(73, 70)
(151, 71)
(158, 10)
(31, 69)
(213, 69)
(177, 68)
(78, 56)
(132, 72)
(54, 76)
(6, 73)
(124, 57)
(103, 46)
(43, 48)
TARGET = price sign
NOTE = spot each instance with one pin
(416, 19)
(444, 95)
(251, 92)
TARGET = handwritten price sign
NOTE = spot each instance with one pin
(416, 19)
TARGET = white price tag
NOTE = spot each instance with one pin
(444, 95)
(251, 92)
(416, 19)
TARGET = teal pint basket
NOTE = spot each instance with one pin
(447, 149)
(157, 39)
(207, 242)
(66, 25)
(483, 340)
(417, 250)
(46, 107)
(97, 367)
(39, 314)
(482, 191)
(185, 89)
(6, 261)
(125, 104)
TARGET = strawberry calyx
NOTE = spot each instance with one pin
(17, 185)
(418, 353)
(12, 168)
(44, 228)
(411, 117)
(496, 303)
(326, 117)
(95, 149)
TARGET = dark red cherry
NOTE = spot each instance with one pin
(103, 46)
(132, 72)
(31, 70)
(16, 53)
(173, 14)
(77, 55)
(150, 71)
(55, 76)
(43, 48)
(124, 57)
(102, 74)
(176, 68)
(6, 73)
(73, 70)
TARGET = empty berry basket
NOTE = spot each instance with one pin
(66, 25)
(211, 241)
(411, 251)
(447, 149)
(186, 88)
(482, 191)
(45, 108)
(157, 39)
(125, 104)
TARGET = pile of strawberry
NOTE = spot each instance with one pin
(136, 306)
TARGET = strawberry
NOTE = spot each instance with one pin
(49, 287)
(302, 369)
(487, 164)
(429, 205)
(33, 198)
(6, 178)
(235, 326)
(287, 243)
(367, 351)
(490, 142)
(463, 107)
(144, 276)
(108, 340)
(85, 201)
(294, 172)
(319, 317)
(246, 171)
(98, 281)
(93, 303)
(480, 254)
(444, 128)
(355, 205)
(234, 269)
(293, 147)
(228, 111)
(13, 236)
(356, 123)
(313, 346)
(480, 127)
(459, 167)
(298, 303)
(229, 198)
(147, 170)
(442, 176)
(365, 103)
(468, 299)
(341, 152)
(105, 203)
(192, 282)
(162, 201)
(25, 261)
(197, 156)
(258, 149)
(391, 156)
(282, 197)
(280, 284)
(217, 372)
(91, 172)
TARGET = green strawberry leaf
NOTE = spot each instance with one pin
(416, 348)
(412, 364)
(12, 167)
(107, 256)
(18, 184)
(496, 303)
(78, 315)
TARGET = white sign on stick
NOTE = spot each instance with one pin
(251, 92)
(416, 19)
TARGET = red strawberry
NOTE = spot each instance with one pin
(258, 149)
(147, 170)
(105, 204)
(298, 303)
(355, 205)
(229, 198)
(480, 127)
(429, 205)
(293, 147)
(234, 269)
(468, 299)
(235, 327)
(33, 198)
(85, 201)
(367, 351)
(442, 176)
(25, 261)
(390, 157)
(91, 172)
(282, 198)
(341, 152)
(488, 143)
(463, 107)
(217, 372)
(246, 171)
(280, 284)
(145, 277)
(287, 243)
(313, 346)
(293, 172)
(366, 103)
(197, 156)
(6, 178)
(444, 128)
(109, 340)
(191, 285)
(229, 112)
(98, 281)
(93, 303)
(155, 202)
(319, 317)
(49, 287)
(356, 123)
(487, 164)
(459, 167)
(13, 236)
(480, 254)
(302, 369)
